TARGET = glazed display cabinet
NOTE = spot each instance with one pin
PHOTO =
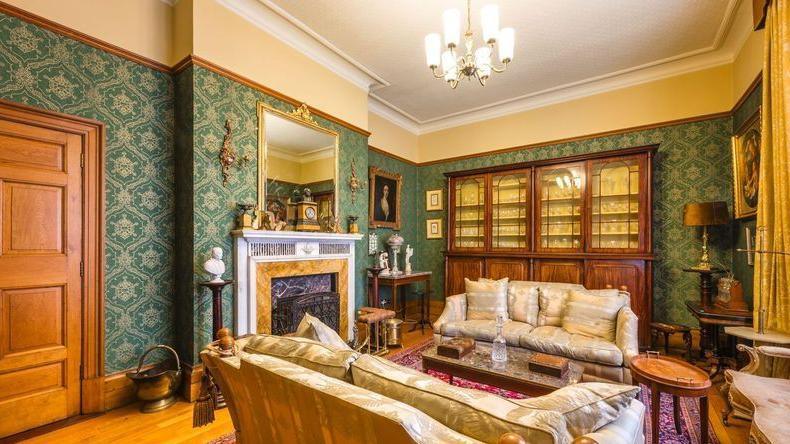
(582, 219)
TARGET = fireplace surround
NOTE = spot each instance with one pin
(263, 258)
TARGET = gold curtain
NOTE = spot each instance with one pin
(772, 272)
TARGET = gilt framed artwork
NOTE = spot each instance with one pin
(433, 200)
(384, 210)
(433, 229)
(746, 167)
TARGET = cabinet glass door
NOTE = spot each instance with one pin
(615, 208)
(560, 207)
(510, 200)
(470, 209)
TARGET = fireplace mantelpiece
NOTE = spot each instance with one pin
(252, 248)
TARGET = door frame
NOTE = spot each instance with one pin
(93, 139)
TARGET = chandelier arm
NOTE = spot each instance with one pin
(435, 70)
(499, 69)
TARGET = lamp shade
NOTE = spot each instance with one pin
(705, 213)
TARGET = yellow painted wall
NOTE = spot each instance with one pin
(318, 170)
(748, 63)
(182, 30)
(140, 26)
(392, 138)
(688, 95)
(283, 170)
(228, 40)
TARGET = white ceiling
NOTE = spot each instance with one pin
(293, 138)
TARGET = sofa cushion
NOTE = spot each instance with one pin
(485, 330)
(522, 301)
(311, 327)
(484, 299)
(592, 314)
(556, 341)
(626, 429)
(474, 413)
(323, 358)
(587, 406)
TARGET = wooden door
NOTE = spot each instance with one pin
(40, 284)
(459, 268)
(623, 273)
(515, 269)
(558, 270)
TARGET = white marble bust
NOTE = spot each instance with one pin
(214, 266)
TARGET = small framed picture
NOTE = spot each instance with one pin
(433, 200)
(746, 166)
(433, 228)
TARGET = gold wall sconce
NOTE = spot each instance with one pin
(228, 155)
(354, 184)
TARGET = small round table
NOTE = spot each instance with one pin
(676, 377)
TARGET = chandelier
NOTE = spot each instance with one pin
(473, 64)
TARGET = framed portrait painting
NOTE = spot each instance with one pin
(384, 210)
(433, 200)
(746, 167)
(433, 229)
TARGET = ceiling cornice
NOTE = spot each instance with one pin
(284, 27)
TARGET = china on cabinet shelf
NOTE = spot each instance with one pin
(583, 219)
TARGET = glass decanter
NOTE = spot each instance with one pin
(499, 346)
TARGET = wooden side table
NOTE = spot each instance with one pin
(402, 281)
(710, 320)
(678, 378)
(705, 283)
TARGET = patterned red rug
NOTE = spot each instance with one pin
(689, 408)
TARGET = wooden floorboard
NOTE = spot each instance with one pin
(174, 425)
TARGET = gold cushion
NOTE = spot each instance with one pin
(587, 406)
(485, 330)
(474, 413)
(311, 327)
(485, 298)
(592, 314)
(323, 358)
(522, 301)
(557, 341)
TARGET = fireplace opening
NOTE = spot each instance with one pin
(293, 296)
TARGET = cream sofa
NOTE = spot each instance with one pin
(275, 400)
(602, 360)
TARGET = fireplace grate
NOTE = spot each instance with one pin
(288, 311)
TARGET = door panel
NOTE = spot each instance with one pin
(515, 269)
(40, 288)
(459, 268)
(623, 273)
(558, 270)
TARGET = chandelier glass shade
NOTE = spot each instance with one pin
(473, 63)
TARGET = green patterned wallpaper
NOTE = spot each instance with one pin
(217, 98)
(411, 199)
(693, 163)
(49, 71)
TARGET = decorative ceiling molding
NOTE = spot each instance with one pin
(327, 152)
(283, 26)
(275, 21)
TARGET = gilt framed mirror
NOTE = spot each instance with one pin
(297, 170)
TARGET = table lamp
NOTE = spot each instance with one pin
(704, 214)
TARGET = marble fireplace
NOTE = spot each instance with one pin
(269, 263)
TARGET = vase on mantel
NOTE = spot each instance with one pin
(499, 346)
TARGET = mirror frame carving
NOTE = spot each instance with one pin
(302, 116)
